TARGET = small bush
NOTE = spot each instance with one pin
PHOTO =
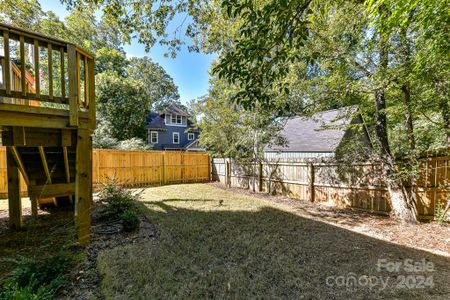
(118, 199)
(37, 279)
(439, 213)
(130, 220)
(31, 291)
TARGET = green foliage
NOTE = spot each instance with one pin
(127, 91)
(117, 198)
(130, 220)
(38, 278)
(31, 291)
(122, 102)
(133, 144)
(439, 213)
(158, 85)
(228, 130)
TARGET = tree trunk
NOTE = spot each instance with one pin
(412, 160)
(406, 91)
(402, 208)
(445, 111)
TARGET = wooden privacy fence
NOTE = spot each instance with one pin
(360, 185)
(136, 168)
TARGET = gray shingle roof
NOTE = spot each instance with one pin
(320, 133)
(175, 110)
(154, 121)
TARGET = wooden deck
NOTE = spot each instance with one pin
(47, 116)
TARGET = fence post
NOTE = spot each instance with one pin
(163, 168)
(312, 193)
(260, 176)
(210, 167)
(228, 173)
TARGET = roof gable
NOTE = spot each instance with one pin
(320, 133)
(175, 110)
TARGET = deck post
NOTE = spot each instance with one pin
(34, 206)
(14, 200)
(83, 185)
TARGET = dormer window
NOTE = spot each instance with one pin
(176, 119)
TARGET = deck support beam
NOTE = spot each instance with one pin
(34, 207)
(14, 199)
(83, 186)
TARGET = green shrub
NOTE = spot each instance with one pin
(31, 291)
(37, 279)
(118, 199)
(439, 213)
(130, 220)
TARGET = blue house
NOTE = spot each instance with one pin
(172, 130)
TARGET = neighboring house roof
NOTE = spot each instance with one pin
(175, 110)
(155, 122)
(194, 146)
(193, 129)
(320, 133)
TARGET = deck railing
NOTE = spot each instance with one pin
(62, 73)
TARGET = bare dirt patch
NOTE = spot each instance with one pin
(430, 236)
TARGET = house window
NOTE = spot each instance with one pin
(176, 138)
(176, 119)
(191, 136)
(153, 137)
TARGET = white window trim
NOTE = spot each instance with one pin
(173, 137)
(168, 121)
(190, 134)
(157, 137)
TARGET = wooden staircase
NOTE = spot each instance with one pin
(46, 125)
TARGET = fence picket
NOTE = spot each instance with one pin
(135, 168)
(360, 186)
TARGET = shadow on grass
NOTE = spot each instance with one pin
(41, 237)
(263, 253)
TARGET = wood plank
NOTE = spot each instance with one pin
(45, 164)
(19, 137)
(66, 137)
(50, 71)
(32, 96)
(51, 190)
(37, 77)
(73, 89)
(86, 82)
(78, 72)
(14, 200)
(63, 74)
(91, 96)
(83, 190)
(34, 206)
(23, 78)
(311, 190)
(66, 164)
(34, 137)
(7, 66)
(13, 31)
(20, 164)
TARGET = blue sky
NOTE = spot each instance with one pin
(188, 70)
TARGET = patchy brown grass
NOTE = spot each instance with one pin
(214, 243)
(428, 236)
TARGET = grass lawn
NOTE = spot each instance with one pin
(213, 243)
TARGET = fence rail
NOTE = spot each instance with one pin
(360, 186)
(136, 168)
